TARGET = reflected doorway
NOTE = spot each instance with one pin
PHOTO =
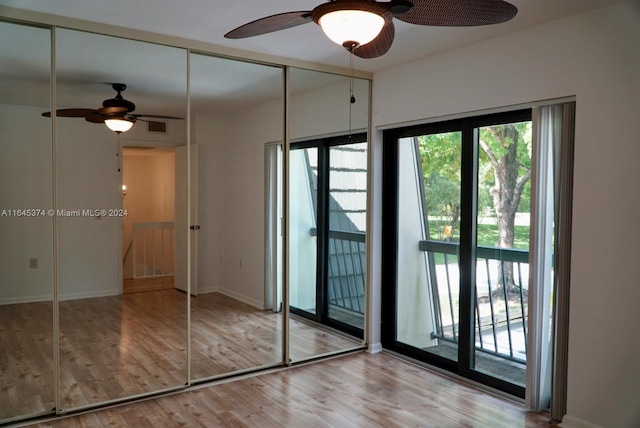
(148, 223)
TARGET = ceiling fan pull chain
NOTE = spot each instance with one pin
(351, 61)
(352, 98)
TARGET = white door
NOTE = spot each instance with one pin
(186, 219)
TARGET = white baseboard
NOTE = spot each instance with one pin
(90, 294)
(68, 296)
(569, 421)
(205, 290)
(374, 348)
(241, 297)
(26, 299)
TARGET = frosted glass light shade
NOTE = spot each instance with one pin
(118, 125)
(359, 26)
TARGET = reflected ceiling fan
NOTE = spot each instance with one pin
(365, 27)
(115, 112)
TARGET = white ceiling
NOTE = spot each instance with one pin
(209, 20)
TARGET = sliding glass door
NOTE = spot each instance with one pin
(327, 231)
(456, 242)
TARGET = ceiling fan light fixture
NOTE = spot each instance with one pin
(347, 26)
(119, 125)
(351, 22)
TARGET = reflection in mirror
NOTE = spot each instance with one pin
(236, 109)
(26, 228)
(123, 315)
(328, 194)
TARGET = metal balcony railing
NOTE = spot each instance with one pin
(346, 279)
(500, 309)
(500, 305)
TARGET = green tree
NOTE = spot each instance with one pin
(504, 169)
(508, 150)
(440, 157)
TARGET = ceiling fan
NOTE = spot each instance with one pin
(115, 112)
(365, 27)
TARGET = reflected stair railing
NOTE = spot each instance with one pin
(153, 249)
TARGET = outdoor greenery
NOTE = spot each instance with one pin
(487, 237)
(504, 171)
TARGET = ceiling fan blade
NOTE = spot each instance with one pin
(112, 110)
(458, 13)
(270, 24)
(378, 46)
(154, 116)
(71, 112)
(96, 117)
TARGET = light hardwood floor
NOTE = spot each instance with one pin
(119, 346)
(358, 390)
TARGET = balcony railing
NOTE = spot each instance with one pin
(346, 277)
(346, 280)
(500, 307)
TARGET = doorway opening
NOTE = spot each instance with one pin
(148, 221)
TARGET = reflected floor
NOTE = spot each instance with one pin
(26, 359)
(118, 346)
(228, 335)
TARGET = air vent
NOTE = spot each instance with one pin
(157, 127)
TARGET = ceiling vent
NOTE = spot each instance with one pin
(157, 127)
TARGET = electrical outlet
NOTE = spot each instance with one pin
(33, 263)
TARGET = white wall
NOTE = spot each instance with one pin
(594, 57)
(231, 200)
(25, 182)
(86, 170)
(88, 177)
(325, 110)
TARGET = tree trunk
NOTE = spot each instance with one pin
(506, 194)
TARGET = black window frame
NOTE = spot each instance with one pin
(468, 126)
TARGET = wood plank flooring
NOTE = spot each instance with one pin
(228, 336)
(136, 285)
(26, 359)
(119, 346)
(358, 390)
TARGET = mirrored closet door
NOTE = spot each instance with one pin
(122, 309)
(26, 224)
(142, 218)
(236, 109)
(328, 201)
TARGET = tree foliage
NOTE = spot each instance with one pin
(504, 169)
(441, 162)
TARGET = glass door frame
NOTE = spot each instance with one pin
(467, 249)
(321, 314)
